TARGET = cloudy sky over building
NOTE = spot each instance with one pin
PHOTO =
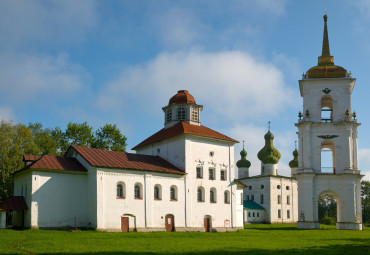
(120, 62)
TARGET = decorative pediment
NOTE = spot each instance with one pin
(212, 163)
(199, 162)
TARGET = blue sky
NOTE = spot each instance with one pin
(120, 62)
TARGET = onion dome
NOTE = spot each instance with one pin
(182, 97)
(243, 162)
(269, 154)
(294, 163)
(326, 67)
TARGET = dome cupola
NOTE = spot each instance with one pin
(269, 154)
(243, 164)
(182, 107)
(294, 162)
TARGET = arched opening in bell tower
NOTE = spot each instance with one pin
(326, 109)
(328, 207)
(327, 157)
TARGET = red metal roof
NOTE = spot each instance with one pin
(14, 203)
(30, 157)
(55, 163)
(117, 159)
(183, 128)
(182, 97)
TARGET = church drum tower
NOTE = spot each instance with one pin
(328, 124)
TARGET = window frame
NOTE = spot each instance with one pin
(169, 115)
(181, 113)
(200, 194)
(224, 173)
(212, 196)
(157, 192)
(174, 197)
(200, 176)
(227, 197)
(279, 199)
(138, 191)
(211, 170)
(120, 193)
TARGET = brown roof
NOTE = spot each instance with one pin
(14, 203)
(183, 128)
(117, 159)
(55, 163)
(182, 97)
(30, 157)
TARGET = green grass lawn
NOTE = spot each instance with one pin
(254, 239)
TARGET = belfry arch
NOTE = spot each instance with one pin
(326, 109)
(327, 158)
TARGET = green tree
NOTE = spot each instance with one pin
(109, 137)
(46, 143)
(15, 141)
(327, 206)
(365, 199)
(78, 134)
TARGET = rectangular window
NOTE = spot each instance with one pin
(261, 199)
(258, 214)
(211, 173)
(223, 175)
(168, 115)
(279, 199)
(288, 200)
(252, 197)
(247, 197)
(194, 114)
(288, 214)
(279, 213)
(253, 214)
(199, 173)
(249, 214)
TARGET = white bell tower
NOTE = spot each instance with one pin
(327, 133)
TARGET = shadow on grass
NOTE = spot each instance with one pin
(361, 247)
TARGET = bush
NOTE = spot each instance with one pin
(327, 221)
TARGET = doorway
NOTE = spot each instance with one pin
(125, 224)
(207, 223)
(170, 223)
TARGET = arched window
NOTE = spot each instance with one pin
(168, 115)
(326, 109)
(181, 113)
(328, 157)
(173, 193)
(279, 199)
(200, 194)
(138, 191)
(227, 197)
(261, 199)
(120, 190)
(157, 192)
(213, 195)
(288, 200)
(247, 197)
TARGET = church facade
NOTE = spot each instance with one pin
(180, 179)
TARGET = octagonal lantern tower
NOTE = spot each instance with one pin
(328, 144)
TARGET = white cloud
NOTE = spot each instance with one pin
(23, 21)
(26, 77)
(6, 113)
(364, 162)
(233, 85)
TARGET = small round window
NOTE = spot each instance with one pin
(278, 186)
(250, 187)
(287, 188)
(262, 186)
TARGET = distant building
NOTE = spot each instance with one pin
(181, 179)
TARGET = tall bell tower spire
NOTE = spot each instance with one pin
(328, 127)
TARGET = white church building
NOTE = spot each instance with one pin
(180, 179)
(269, 197)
